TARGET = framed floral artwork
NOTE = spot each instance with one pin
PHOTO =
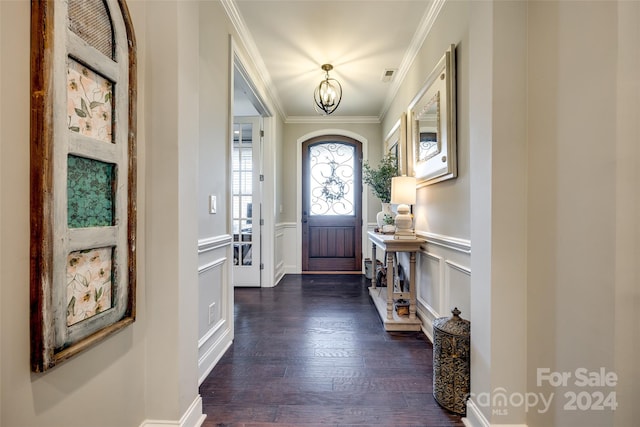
(431, 125)
(83, 176)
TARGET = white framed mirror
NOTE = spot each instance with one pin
(431, 124)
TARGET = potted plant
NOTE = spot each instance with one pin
(379, 179)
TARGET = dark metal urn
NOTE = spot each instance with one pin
(451, 362)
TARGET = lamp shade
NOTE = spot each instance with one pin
(403, 190)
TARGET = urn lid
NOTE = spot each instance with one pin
(454, 325)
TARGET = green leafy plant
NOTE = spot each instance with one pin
(379, 179)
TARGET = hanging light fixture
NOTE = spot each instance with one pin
(328, 94)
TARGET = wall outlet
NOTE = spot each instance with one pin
(212, 204)
(212, 312)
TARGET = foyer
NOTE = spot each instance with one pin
(537, 239)
(312, 352)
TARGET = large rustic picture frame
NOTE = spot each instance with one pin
(431, 120)
(83, 176)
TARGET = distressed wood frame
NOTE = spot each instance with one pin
(53, 45)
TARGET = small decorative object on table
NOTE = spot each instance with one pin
(402, 307)
(379, 180)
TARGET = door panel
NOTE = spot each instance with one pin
(246, 197)
(332, 200)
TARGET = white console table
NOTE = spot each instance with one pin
(384, 298)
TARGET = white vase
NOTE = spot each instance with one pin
(386, 210)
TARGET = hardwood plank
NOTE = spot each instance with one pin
(312, 351)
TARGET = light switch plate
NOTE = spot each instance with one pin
(212, 204)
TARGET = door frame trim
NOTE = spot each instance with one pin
(365, 194)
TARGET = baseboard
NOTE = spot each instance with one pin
(292, 269)
(475, 417)
(427, 314)
(279, 273)
(212, 356)
(193, 417)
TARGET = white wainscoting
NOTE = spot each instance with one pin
(443, 278)
(286, 261)
(193, 417)
(215, 302)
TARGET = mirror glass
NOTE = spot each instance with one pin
(427, 127)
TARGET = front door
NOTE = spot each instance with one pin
(331, 204)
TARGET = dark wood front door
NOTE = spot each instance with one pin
(331, 204)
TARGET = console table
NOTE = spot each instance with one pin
(384, 298)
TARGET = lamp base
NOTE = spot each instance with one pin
(404, 223)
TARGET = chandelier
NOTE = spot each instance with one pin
(328, 94)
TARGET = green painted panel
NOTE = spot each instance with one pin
(90, 194)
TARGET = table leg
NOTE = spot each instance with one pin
(374, 265)
(389, 285)
(412, 285)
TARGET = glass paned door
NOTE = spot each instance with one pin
(331, 204)
(245, 210)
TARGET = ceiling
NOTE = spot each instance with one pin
(289, 40)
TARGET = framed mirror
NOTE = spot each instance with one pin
(395, 143)
(432, 125)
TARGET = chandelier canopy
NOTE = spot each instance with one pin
(328, 93)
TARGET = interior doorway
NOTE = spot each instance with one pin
(331, 204)
(247, 175)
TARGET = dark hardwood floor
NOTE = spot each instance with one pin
(312, 351)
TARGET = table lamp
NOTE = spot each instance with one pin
(403, 193)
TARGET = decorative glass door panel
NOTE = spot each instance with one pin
(245, 209)
(331, 181)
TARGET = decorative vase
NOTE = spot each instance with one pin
(386, 210)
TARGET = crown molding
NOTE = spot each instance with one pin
(410, 55)
(332, 119)
(246, 40)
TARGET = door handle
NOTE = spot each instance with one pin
(304, 217)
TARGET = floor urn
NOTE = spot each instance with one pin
(451, 362)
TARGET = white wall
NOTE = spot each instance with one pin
(215, 298)
(584, 106)
(498, 223)
(171, 107)
(108, 375)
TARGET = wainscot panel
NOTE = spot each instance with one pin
(286, 260)
(443, 278)
(215, 309)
